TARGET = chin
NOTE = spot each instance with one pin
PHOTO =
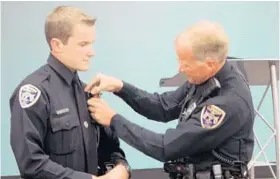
(194, 82)
(190, 81)
(83, 69)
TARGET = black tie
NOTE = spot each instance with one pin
(88, 129)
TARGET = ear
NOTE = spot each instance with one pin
(211, 63)
(56, 45)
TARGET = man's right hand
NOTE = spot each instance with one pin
(103, 82)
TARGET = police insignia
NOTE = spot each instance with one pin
(211, 116)
(28, 95)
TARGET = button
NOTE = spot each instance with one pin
(86, 124)
(66, 124)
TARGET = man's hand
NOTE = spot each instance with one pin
(103, 82)
(100, 111)
(118, 172)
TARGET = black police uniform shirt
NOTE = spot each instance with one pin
(48, 138)
(223, 121)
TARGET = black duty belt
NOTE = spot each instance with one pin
(182, 170)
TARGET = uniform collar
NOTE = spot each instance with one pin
(223, 73)
(220, 76)
(61, 69)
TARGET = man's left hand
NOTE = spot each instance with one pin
(100, 111)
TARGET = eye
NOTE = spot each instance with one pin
(83, 44)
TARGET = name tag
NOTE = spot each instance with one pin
(62, 111)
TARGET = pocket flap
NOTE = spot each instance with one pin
(66, 122)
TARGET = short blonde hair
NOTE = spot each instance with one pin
(61, 20)
(208, 39)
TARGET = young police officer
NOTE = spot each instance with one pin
(52, 132)
(214, 136)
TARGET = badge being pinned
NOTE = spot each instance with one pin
(211, 116)
(28, 95)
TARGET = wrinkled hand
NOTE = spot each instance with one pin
(103, 82)
(100, 111)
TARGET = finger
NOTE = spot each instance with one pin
(90, 102)
(94, 82)
(91, 109)
(93, 101)
(95, 90)
(95, 117)
(96, 103)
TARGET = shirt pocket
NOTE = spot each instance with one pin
(65, 133)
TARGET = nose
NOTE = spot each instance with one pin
(91, 53)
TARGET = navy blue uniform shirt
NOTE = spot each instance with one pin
(222, 121)
(50, 138)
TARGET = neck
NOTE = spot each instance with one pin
(60, 58)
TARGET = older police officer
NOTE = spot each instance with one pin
(214, 136)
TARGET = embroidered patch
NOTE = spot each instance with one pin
(211, 116)
(28, 95)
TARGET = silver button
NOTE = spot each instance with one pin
(86, 124)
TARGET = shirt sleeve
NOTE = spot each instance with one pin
(109, 147)
(158, 107)
(29, 113)
(211, 125)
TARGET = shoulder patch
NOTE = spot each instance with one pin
(211, 116)
(28, 95)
